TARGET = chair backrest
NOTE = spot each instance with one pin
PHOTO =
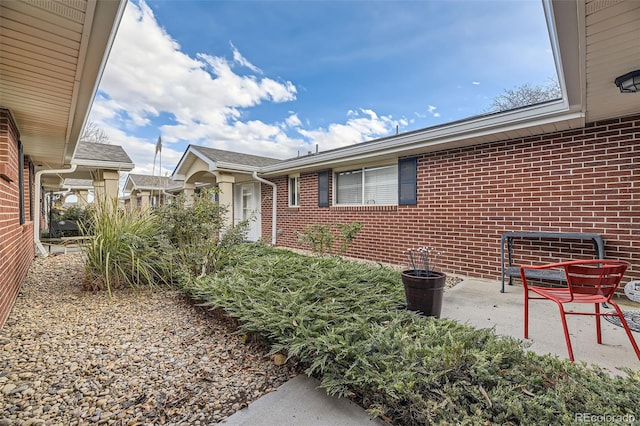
(600, 277)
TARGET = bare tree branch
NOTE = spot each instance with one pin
(526, 95)
(94, 134)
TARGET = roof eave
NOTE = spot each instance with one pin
(97, 42)
(443, 137)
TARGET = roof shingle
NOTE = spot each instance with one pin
(102, 152)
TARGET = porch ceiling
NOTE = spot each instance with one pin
(612, 49)
(51, 60)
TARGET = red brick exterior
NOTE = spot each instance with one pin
(585, 180)
(16, 240)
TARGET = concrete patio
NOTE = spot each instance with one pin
(479, 303)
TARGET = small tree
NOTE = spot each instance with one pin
(526, 95)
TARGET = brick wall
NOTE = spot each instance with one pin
(16, 240)
(585, 180)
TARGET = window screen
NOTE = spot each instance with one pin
(407, 181)
(323, 188)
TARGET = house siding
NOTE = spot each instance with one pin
(585, 180)
(16, 240)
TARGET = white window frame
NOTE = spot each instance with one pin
(294, 189)
(363, 171)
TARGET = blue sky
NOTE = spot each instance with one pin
(276, 77)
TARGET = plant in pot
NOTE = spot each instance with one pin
(423, 286)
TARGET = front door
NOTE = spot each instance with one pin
(246, 206)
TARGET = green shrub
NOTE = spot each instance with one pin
(196, 234)
(320, 239)
(123, 250)
(346, 323)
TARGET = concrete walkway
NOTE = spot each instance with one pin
(301, 402)
(474, 301)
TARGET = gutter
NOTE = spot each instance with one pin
(99, 164)
(38, 195)
(458, 133)
(274, 204)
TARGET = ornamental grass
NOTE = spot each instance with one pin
(347, 324)
(123, 250)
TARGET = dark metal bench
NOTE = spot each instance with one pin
(556, 275)
(62, 228)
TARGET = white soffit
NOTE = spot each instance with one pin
(51, 57)
(612, 50)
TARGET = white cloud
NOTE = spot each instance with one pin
(241, 60)
(361, 125)
(293, 120)
(432, 110)
(475, 83)
(202, 100)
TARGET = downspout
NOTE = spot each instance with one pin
(274, 207)
(36, 225)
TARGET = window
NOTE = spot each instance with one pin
(407, 181)
(369, 185)
(323, 188)
(294, 191)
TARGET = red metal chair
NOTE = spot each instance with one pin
(588, 281)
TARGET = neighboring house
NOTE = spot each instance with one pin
(102, 163)
(149, 191)
(234, 174)
(571, 165)
(53, 54)
(81, 188)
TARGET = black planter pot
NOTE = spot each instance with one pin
(423, 291)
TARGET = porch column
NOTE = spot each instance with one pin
(225, 183)
(188, 190)
(145, 200)
(107, 185)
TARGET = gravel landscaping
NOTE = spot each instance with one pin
(72, 357)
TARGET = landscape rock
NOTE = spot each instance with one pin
(142, 357)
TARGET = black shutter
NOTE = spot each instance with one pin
(21, 182)
(31, 184)
(408, 181)
(323, 188)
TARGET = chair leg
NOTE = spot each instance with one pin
(598, 327)
(526, 313)
(563, 316)
(623, 321)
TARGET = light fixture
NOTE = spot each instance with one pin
(629, 83)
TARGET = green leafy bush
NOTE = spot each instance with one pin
(346, 323)
(196, 234)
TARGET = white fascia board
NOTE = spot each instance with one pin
(129, 184)
(442, 137)
(78, 187)
(107, 165)
(191, 151)
(237, 168)
(99, 30)
(148, 188)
